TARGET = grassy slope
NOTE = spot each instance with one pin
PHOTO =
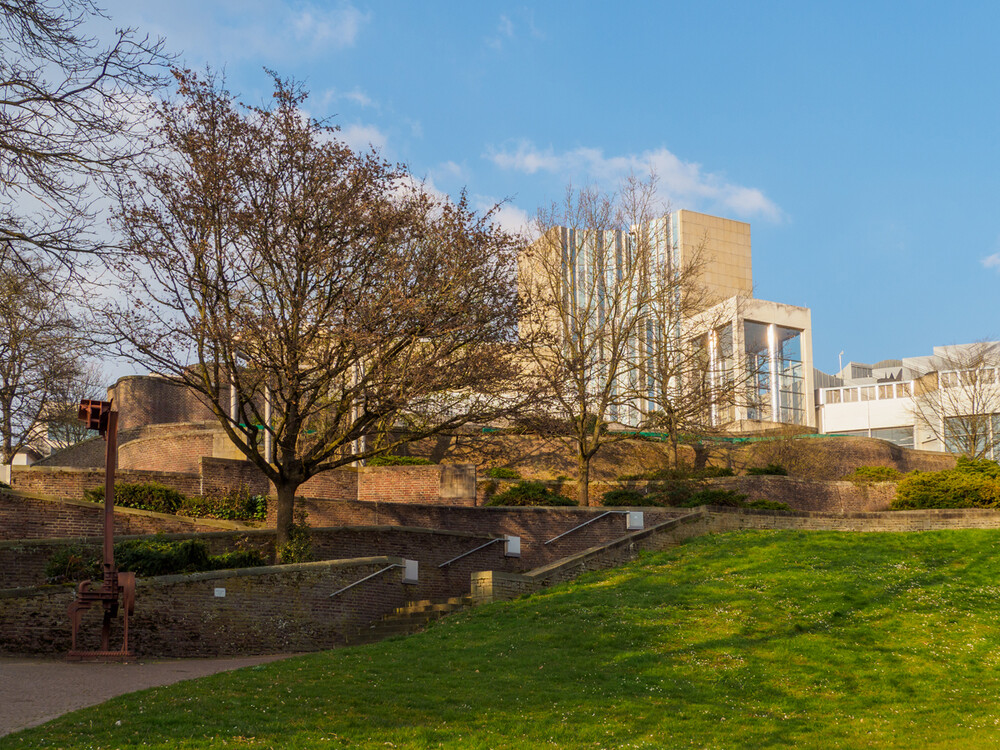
(755, 639)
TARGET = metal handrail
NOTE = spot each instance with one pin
(475, 549)
(371, 575)
(595, 518)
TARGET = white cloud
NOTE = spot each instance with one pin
(328, 27)
(361, 137)
(684, 183)
(504, 31)
(359, 97)
(508, 216)
(991, 261)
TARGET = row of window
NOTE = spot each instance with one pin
(955, 378)
(879, 392)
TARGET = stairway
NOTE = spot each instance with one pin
(409, 619)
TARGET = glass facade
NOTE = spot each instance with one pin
(776, 390)
(758, 360)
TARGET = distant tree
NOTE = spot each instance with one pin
(958, 402)
(70, 113)
(324, 306)
(61, 421)
(39, 356)
(585, 286)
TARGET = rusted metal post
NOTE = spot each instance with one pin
(99, 416)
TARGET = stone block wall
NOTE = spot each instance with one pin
(30, 518)
(264, 610)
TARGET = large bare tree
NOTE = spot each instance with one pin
(70, 111)
(324, 305)
(39, 350)
(958, 400)
(586, 290)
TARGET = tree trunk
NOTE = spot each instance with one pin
(285, 508)
(583, 481)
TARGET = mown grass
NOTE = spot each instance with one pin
(752, 639)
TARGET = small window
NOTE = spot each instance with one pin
(850, 395)
(884, 391)
(902, 390)
(868, 393)
(832, 396)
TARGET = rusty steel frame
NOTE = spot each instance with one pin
(98, 415)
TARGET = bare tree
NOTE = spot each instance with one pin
(958, 402)
(38, 350)
(694, 379)
(63, 427)
(586, 290)
(324, 306)
(70, 113)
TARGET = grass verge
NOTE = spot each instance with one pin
(751, 639)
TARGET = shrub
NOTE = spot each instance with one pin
(241, 558)
(680, 472)
(769, 470)
(952, 488)
(298, 548)
(625, 497)
(863, 474)
(141, 495)
(712, 496)
(74, 563)
(399, 461)
(980, 466)
(157, 557)
(229, 505)
(529, 493)
(768, 505)
(502, 472)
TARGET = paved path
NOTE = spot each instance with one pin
(33, 691)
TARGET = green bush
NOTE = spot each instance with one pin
(230, 505)
(298, 548)
(399, 461)
(502, 472)
(141, 495)
(713, 496)
(74, 563)
(153, 556)
(625, 497)
(768, 505)
(946, 489)
(680, 473)
(769, 470)
(863, 474)
(529, 493)
(981, 466)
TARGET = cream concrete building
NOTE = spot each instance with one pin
(763, 347)
(946, 401)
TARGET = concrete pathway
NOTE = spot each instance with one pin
(33, 691)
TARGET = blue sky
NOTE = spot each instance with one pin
(858, 139)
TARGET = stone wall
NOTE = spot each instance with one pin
(35, 518)
(264, 610)
(23, 562)
(70, 483)
(535, 526)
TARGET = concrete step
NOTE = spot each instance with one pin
(411, 618)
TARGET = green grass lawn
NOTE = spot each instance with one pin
(752, 639)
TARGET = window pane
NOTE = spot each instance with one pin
(758, 361)
(868, 393)
(885, 391)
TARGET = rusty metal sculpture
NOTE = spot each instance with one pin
(114, 585)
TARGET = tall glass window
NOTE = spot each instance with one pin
(758, 359)
(791, 382)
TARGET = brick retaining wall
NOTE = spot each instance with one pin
(264, 610)
(38, 518)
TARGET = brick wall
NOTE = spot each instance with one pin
(180, 452)
(535, 526)
(23, 562)
(31, 518)
(400, 484)
(70, 483)
(265, 610)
